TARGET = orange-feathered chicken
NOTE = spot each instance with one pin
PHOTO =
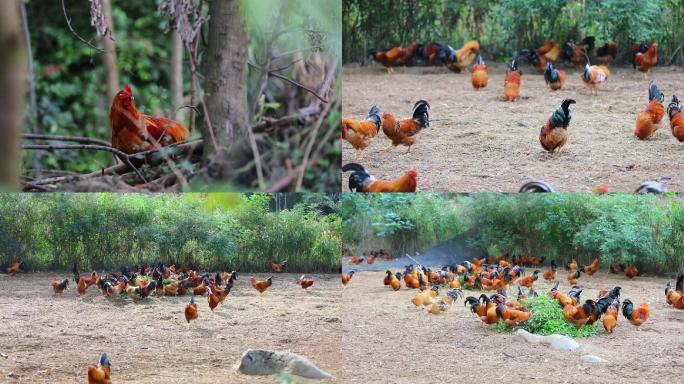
(675, 297)
(592, 268)
(595, 75)
(579, 315)
(528, 281)
(277, 267)
(555, 78)
(134, 132)
(464, 56)
(549, 51)
(404, 132)
(554, 133)
(644, 61)
(100, 374)
(261, 285)
(550, 275)
(13, 267)
(573, 276)
(58, 286)
(360, 133)
(346, 277)
(395, 281)
(393, 57)
(648, 121)
(607, 53)
(480, 74)
(356, 260)
(674, 111)
(512, 82)
(371, 258)
(631, 272)
(579, 54)
(212, 298)
(571, 266)
(191, 310)
(611, 316)
(362, 181)
(305, 283)
(636, 316)
(511, 316)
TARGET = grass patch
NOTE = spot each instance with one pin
(547, 318)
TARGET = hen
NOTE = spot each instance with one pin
(360, 133)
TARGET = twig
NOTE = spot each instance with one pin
(66, 17)
(267, 123)
(75, 139)
(121, 155)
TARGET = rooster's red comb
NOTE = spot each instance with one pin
(128, 89)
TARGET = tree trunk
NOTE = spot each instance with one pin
(177, 75)
(110, 55)
(12, 93)
(226, 89)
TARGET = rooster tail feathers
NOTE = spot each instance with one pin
(627, 308)
(589, 42)
(654, 93)
(479, 60)
(674, 106)
(420, 113)
(561, 116)
(356, 167)
(374, 115)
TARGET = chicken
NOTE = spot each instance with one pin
(550, 275)
(572, 297)
(549, 51)
(424, 298)
(595, 75)
(261, 285)
(438, 307)
(510, 316)
(346, 277)
(360, 133)
(13, 267)
(134, 132)
(555, 78)
(571, 266)
(395, 281)
(191, 310)
(512, 82)
(631, 272)
(611, 316)
(607, 53)
(392, 57)
(464, 56)
(644, 61)
(636, 316)
(579, 54)
(371, 258)
(674, 112)
(404, 132)
(362, 181)
(388, 278)
(277, 267)
(648, 121)
(528, 281)
(579, 315)
(554, 134)
(305, 283)
(100, 374)
(573, 276)
(486, 311)
(480, 74)
(675, 297)
(591, 268)
(356, 260)
(212, 298)
(58, 286)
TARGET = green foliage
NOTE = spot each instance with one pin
(505, 27)
(547, 319)
(619, 228)
(108, 230)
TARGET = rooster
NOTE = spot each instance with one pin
(100, 374)
(549, 51)
(636, 316)
(362, 181)
(480, 75)
(436, 54)
(134, 132)
(643, 61)
(464, 56)
(261, 285)
(607, 53)
(595, 75)
(631, 272)
(611, 316)
(346, 277)
(648, 121)
(554, 134)
(674, 111)
(555, 78)
(305, 283)
(360, 133)
(405, 131)
(550, 275)
(579, 54)
(675, 297)
(512, 81)
(14, 267)
(58, 286)
(191, 310)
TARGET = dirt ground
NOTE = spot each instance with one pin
(51, 339)
(388, 340)
(478, 142)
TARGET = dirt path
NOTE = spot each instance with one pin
(51, 339)
(482, 143)
(387, 340)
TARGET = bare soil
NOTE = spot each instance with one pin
(479, 142)
(388, 340)
(50, 338)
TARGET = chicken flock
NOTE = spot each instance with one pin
(554, 131)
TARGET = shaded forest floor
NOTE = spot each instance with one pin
(51, 339)
(387, 339)
(478, 142)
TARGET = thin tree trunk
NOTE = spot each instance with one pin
(177, 75)
(12, 93)
(226, 88)
(110, 54)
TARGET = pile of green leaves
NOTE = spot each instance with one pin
(547, 319)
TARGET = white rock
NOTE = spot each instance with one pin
(593, 359)
(263, 362)
(554, 341)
